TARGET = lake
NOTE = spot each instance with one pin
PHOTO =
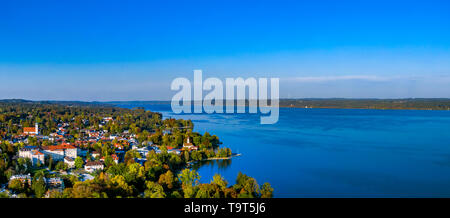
(333, 152)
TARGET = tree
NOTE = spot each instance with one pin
(207, 191)
(22, 163)
(88, 156)
(120, 186)
(38, 185)
(109, 161)
(167, 180)
(4, 195)
(50, 163)
(246, 186)
(60, 166)
(186, 156)
(266, 191)
(219, 181)
(189, 177)
(78, 162)
(55, 194)
(81, 190)
(154, 190)
(16, 185)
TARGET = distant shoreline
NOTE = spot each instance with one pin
(373, 104)
(365, 108)
(322, 103)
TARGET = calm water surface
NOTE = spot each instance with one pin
(333, 152)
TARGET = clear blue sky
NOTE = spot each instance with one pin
(132, 50)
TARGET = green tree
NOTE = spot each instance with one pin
(219, 181)
(154, 190)
(78, 162)
(16, 185)
(38, 185)
(189, 177)
(167, 180)
(266, 191)
(186, 156)
(247, 186)
(60, 166)
(50, 163)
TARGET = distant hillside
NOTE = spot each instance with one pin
(411, 104)
(14, 101)
(407, 104)
(137, 102)
(66, 103)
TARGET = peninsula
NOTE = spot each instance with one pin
(96, 150)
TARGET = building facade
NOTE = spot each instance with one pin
(58, 152)
(32, 153)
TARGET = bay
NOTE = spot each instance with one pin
(332, 152)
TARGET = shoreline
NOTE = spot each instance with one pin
(435, 104)
(190, 163)
(361, 108)
(222, 158)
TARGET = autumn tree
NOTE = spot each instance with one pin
(79, 162)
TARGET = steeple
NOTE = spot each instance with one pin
(36, 126)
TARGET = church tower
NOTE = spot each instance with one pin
(36, 126)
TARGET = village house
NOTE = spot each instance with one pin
(58, 152)
(32, 153)
(85, 177)
(142, 151)
(188, 145)
(31, 130)
(140, 161)
(95, 154)
(55, 183)
(114, 157)
(92, 166)
(107, 119)
(23, 178)
(118, 146)
(173, 150)
(70, 162)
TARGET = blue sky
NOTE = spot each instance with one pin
(111, 50)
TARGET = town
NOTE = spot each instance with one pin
(81, 151)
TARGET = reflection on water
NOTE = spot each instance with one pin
(220, 164)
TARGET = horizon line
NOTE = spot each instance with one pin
(307, 98)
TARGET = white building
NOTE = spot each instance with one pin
(188, 145)
(23, 178)
(107, 119)
(70, 162)
(33, 154)
(55, 183)
(92, 166)
(95, 154)
(58, 152)
(31, 130)
(143, 151)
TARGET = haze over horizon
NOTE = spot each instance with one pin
(108, 51)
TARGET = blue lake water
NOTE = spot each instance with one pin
(333, 152)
